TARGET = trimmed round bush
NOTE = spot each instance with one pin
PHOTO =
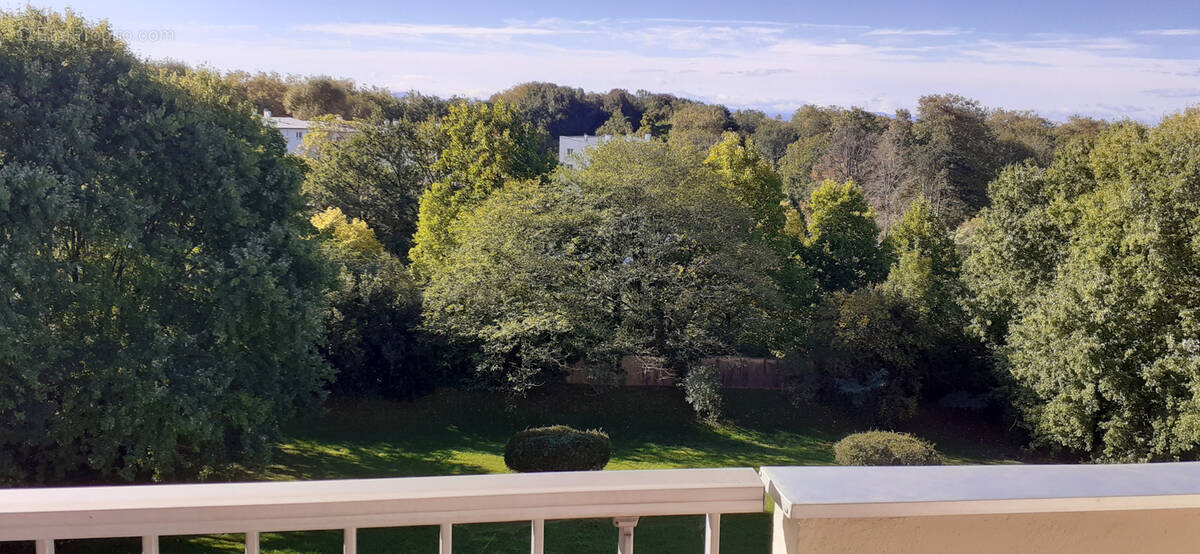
(885, 448)
(557, 448)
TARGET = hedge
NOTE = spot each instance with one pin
(885, 448)
(557, 448)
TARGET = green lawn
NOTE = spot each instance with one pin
(456, 432)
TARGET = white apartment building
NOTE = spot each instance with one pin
(571, 150)
(293, 130)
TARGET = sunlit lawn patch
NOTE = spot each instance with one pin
(455, 432)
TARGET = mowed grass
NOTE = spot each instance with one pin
(456, 432)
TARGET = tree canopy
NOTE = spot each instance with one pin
(699, 125)
(642, 252)
(1085, 277)
(377, 174)
(484, 146)
(162, 306)
(373, 335)
(842, 245)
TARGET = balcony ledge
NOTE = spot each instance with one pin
(863, 492)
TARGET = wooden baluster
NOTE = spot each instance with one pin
(150, 544)
(350, 541)
(252, 546)
(44, 546)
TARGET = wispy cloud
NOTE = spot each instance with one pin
(687, 21)
(1175, 92)
(221, 28)
(703, 37)
(383, 30)
(917, 32)
(765, 64)
(764, 72)
(1171, 32)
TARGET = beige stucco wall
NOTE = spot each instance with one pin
(1141, 531)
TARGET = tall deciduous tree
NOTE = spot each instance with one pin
(642, 252)
(796, 167)
(1100, 340)
(1079, 127)
(376, 174)
(892, 164)
(373, 335)
(616, 125)
(851, 144)
(773, 137)
(485, 145)
(1020, 136)
(264, 90)
(319, 96)
(956, 155)
(755, 186)
(842, 246)
(810, 120)
(555, 109)
(656, 112)
(865, 349)
(161, 307)
(619, 101)
(925, 278)
(699, 125)
(751, 181)
(925, 271)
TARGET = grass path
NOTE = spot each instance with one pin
(456, 432)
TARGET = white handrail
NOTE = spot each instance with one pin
(1060, 509)
(899, 491)
(150, 511)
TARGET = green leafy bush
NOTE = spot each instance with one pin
(557, 448)
(702, 389)
(885, 448)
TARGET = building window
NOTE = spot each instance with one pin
(570, 151)
(299, 134)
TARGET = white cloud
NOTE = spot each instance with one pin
(1171, 32)
(917, 32)
(383, 30)
(712, 21)
(696, 37)
(221, 28)
(747, 63)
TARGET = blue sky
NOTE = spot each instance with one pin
(1109, 59)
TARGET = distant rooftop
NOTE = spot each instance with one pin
(293, 123)
(285, 122)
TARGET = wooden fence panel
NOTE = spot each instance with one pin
(736, 373)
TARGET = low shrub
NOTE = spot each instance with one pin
(885, 448)
(557, 448)
(702, 389)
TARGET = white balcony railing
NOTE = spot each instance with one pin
(151, 511)
(1085, 509)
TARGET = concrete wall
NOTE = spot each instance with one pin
(294, 137)
(1115, 532)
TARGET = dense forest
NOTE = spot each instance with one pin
(161, 251)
